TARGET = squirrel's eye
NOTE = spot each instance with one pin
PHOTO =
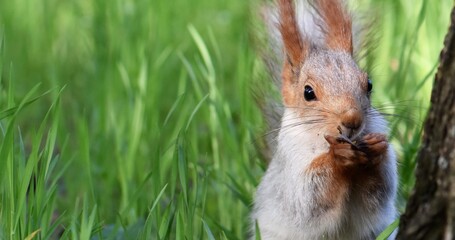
(309, 93)
(370, 85)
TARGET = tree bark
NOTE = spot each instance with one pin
(430, 213)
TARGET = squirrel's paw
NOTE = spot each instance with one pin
(374, 145)
(345, 153)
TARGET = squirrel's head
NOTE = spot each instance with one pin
(322, 82)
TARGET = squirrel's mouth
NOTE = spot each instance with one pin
(353, 138)
(350, 133)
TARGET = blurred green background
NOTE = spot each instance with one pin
(137, 119)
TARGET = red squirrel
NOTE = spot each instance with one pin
(333, 173)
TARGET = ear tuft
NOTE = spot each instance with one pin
(294, 46)
(338, 24)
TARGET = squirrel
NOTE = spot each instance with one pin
(333, 173)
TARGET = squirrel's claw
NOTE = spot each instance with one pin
(374, 144)
(364, 151)
(345, 152)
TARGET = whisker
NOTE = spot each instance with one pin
(408, 118)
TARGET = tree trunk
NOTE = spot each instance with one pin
(430, 213)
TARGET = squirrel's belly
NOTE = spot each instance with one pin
(281, 214)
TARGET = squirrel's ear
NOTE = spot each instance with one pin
(294, 46)
(338, 24)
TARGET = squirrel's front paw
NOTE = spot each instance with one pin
(345, 153)
(373, 145)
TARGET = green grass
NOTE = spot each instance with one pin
(136, 119)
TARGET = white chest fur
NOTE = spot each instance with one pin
(285, 201)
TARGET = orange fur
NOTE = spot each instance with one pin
(294, 45)
(336, 182)
(345, 167)
(338, 24)
(288, 88)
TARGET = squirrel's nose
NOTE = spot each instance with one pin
(352, 119)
